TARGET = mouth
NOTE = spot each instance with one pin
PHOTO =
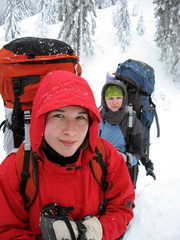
(67, 143)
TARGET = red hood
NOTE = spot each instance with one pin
(59, 89)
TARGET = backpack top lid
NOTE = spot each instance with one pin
(138, 72)
(25, 61)
(32, 48)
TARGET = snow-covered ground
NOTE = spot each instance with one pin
(157, 212)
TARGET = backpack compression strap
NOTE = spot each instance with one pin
(98, 168)
(130, 125)
(19, 83)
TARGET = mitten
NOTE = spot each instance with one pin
(56, 225)
(93, 229)
(57, 229)
(123, 155)
(62, 231)
(129, 158)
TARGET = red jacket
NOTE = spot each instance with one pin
(69, 185)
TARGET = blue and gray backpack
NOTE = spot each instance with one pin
(139, 79)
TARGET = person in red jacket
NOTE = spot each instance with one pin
(64, 133)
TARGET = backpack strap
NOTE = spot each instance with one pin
(27, 172)
(156, 117)
(19, 83)
(98, 167)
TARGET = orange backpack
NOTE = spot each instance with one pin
(27, 171)
(23, 63)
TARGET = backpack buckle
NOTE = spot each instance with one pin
(16, 85)
(98, 157)
(25, 174)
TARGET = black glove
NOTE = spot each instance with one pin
(149, 169)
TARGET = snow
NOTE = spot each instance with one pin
(157, 212)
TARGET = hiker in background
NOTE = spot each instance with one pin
(114, 125)
(64, 133)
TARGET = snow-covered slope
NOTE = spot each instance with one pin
(157, 214)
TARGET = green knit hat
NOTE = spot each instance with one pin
(113, 91)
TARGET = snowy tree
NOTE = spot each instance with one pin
(12, 18)
(140, 26)
(167, 13)
(121, 21)
(53, 10)
(163, 23)
(69, 17)
(78, 25)
(106, 3)
(42, 20)
(135, 10)
(24, 9)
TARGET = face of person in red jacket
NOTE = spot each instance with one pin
(66, 129)
(114, 103)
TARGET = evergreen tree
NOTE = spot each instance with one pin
(64, 8)
(53, 10)
(42, 20)
(135, 10)
(167, 36)
(162, 32)
(49, 13)
(174, 53)
(140, 26)
(78, 25)
(121, 21)
(106, 3)
(24, 9)
(12, 18)
(69, 17)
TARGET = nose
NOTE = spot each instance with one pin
(115, 101)
(69, 128)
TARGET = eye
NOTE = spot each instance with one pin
(81, 117)
(58, 115)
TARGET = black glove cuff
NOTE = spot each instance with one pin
(149, 164)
